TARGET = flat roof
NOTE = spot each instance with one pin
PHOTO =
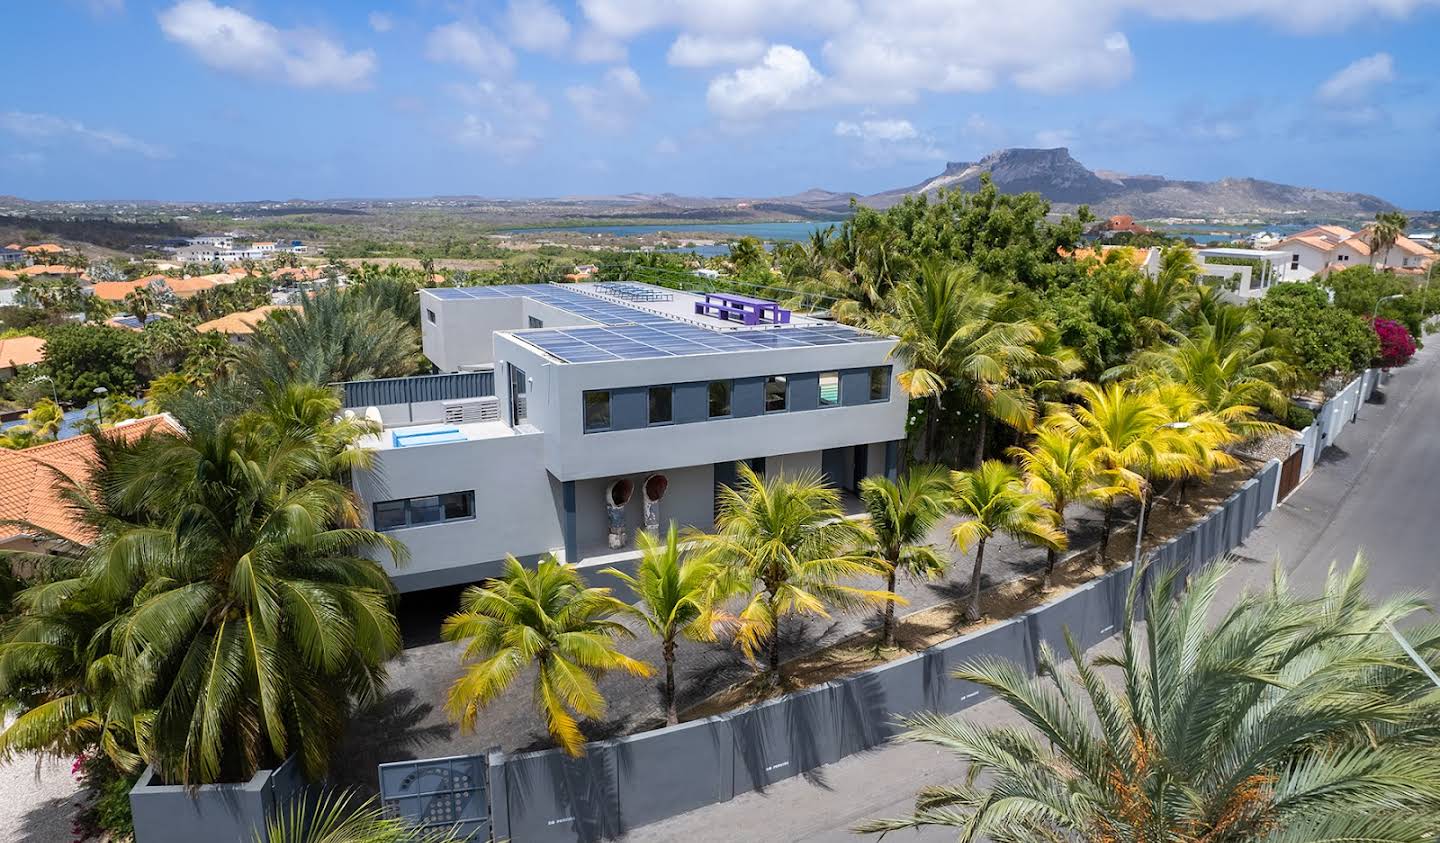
(421, 435)
(635, 321)
(1230, 252)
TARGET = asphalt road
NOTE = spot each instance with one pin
(1373, 492)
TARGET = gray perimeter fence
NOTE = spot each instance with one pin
(628, 782)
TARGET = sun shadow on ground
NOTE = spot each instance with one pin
(393, 729)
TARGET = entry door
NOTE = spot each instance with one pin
(832, 465)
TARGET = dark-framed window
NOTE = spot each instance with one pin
(829, 389)
(536, 323)
(719, 392)
(519, 412)
(430, 314)
(597, 410)
(880, 383)
(427, 509)
(776, 393)
(662, 405)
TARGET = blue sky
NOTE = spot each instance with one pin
(267, 99)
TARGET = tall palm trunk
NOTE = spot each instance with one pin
(887, 624)
(1051, 554)
(774, 643)
(980, 439)
(672, 716)
(1105, 532)
(972, 613)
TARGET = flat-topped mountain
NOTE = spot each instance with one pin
(1056, 175)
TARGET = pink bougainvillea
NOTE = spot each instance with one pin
(1396, 344)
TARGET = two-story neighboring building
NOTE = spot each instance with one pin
(573, 409)
(1329, 248)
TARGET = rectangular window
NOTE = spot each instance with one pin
(430, 314)
(597, 410)
(519, 411)
(661, 409)
(775, 393)
(1255, 282)
(880, 383)
(719, 399)
(429, 509)
(536, 323)
(829, 389)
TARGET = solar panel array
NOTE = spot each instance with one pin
(626, 333)
(674, 339)
(594, 309)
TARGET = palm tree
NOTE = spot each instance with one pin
(748, 252)
(901, 515)
(782, 544)
(1121, 427)
(676, 596)
(543, 616)
(42, 424)
(1289, 720)
(950, 336)
(142, 302)
(993, 500)
(343, 817)
(1060, 469)
(1389, 226)
(336, 335)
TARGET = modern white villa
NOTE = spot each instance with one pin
(1327, 248)
(618, 405)
(1254, 271)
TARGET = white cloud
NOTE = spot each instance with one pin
(595, 47)
(877, 130)
(627, 18)
(886, 141)
(228, 39)
(506, 118)
(536, 25)
(381, 22)
(471, 46)
(783, 80)
(49, 127)
(1050, 138)
(1357, 80)
(708, 50)
(608, 106)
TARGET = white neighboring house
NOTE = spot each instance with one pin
(1216, 266)
(1327, 248)
(220, 242)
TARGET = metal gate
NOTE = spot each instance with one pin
(1290, 473)
(439, 793)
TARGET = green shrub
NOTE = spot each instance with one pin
(1299, 418)
(109, 791)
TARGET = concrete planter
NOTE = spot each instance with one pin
(217, 813)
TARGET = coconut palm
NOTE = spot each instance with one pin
(547, 617)
(952, 335)
(41, 424)
(676, 597)
(783, 544)
(247, 622)
(1061, 469)
(1288, 720)
(901, 515)
(1123, 430)
(993, 500)
(1228, 362)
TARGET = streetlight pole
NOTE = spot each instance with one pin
(1375, 312)
(54, 392)
(100, 391)
(1140, 522)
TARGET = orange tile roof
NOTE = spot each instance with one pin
(187, 287)
(1405, 244)
(49, 269)
(1358, 244)
(21, 351)
(9, 275)
(117, 290)
(48, 248)
(29, 489)
(1314, 241)
(241, 322)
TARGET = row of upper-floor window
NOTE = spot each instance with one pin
(428, 509)
(778, 393)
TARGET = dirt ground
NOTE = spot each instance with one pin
(926, 628)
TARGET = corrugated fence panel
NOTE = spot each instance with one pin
(448, 387)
